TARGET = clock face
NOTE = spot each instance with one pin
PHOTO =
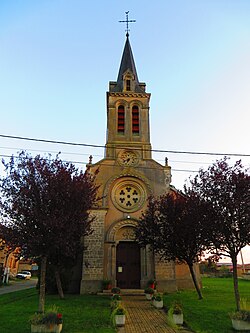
(128, 158)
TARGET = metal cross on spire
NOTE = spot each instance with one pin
(127, 22)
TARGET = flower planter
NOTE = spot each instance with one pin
(55, 328)
(158, 304)
(240, 325)
(120, 320)
(36, 328)
(178, 318)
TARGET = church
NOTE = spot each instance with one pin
(127, 177)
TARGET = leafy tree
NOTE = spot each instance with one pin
(45, 206)
(208, 265)
(173, 225)
(227, 189)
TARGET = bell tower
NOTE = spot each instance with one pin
(126, 177)
(128, 110)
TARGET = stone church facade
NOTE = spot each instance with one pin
(127, 176)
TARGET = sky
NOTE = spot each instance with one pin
(58, 56)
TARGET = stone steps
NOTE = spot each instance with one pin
(132, 292)
(127, 292)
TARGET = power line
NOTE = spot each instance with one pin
(87, 154)
(51, 141)
(94, 155)
(50, 151)
(108, 165)
(101, 146)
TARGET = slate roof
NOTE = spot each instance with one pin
(127, 63)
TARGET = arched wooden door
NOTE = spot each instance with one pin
(128, 265)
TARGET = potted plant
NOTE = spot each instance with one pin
(116, 297)
(116, 290)
(158, 301)
(119, 316)
(50, 321)
(116, 300)
(149, 292)
(176, 313)
(241, 320)
(106, 284)
(151, 283)
(36, 322)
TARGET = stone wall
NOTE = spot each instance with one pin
(184, 278)
(93, 255)
(165, 274)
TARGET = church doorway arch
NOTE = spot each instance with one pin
(128, 265)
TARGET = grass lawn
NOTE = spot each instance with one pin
(81, 314)
(210, 315)
(91, 314)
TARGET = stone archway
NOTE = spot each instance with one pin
(121, 235)
(121, 230)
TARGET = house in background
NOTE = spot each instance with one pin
(8, 259)
(241, 269)
(28, 265)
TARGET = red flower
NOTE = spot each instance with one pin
(59, 316)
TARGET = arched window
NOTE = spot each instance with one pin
(135, 120)
(128, 85)
(121, 119)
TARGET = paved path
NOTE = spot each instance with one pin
(142, 317)
(18, 285)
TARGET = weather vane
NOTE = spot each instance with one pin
(127, 22)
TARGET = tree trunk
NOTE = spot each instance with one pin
(59, 283)
(191, 268)
(235, 278)
(42, 285)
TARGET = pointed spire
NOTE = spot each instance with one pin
(127, 68)
(127, 63)
(127, 80)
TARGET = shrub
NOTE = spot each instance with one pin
(116, 297)
(158, 298)
(52, 316)
(176, 308)
(241, 315)
(116, 290)
(120, 310)
(149, 291)
(106, 284)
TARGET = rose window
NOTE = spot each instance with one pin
(128, 196)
